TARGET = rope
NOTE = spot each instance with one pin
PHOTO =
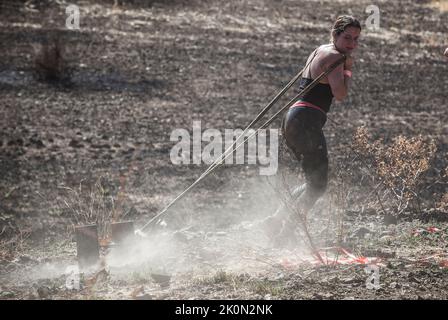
(227, 153)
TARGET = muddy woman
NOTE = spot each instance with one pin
(303, 123)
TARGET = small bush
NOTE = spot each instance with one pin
(95, 204)
(13, 246)
(398, 165)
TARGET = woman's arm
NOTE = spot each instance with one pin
(338, 80)
(446, 52)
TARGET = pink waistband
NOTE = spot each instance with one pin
(307, 104)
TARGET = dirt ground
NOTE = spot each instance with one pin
(94, 147)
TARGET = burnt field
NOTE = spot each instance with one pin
(85, 122)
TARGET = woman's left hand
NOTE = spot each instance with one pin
(349, 63)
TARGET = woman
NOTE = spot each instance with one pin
(446, 52)
(303, 123)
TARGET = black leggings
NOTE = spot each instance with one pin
(302, 129)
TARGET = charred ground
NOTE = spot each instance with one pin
(137, 70)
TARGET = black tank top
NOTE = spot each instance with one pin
(320, 95)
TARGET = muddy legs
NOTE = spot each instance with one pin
(281, 226)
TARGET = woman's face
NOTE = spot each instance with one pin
(347, 41)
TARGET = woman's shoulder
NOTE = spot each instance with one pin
(328, 50)
(328, 54)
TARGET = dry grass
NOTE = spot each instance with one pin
(13, 246)
(95, 204)
(398, 165)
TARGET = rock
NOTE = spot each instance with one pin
(324, 295)
(389, 219)
(31, 296)
(162, 279)
(75, 144)
(167, 296)
(102, 276)
(361, 232)
(25, 259)
(6, 294)
(43, 292)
